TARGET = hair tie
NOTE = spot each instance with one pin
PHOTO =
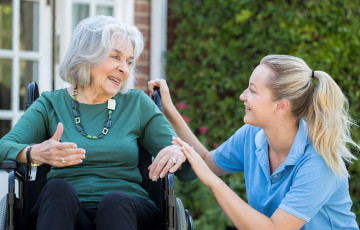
(312, 74)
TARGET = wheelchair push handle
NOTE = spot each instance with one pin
(157, 98)
(33, 94)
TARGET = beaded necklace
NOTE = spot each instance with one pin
(79, 126)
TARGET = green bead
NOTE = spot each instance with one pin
(74, 97)
(89, 136)
(94, 137)
(110, 111)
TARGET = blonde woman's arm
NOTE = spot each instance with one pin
(181, 129)
(242, 215)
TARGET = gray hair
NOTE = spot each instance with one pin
(92, 41)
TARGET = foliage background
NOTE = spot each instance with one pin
(216, 46)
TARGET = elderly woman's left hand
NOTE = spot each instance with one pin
(169, 159)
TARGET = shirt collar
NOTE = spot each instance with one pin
(298, 147)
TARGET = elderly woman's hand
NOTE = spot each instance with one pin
(169, 159)
(56, 153)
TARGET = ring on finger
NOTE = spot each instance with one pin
(63, 161)
(173, 160)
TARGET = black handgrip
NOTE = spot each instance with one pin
(157, 98)
(33, 94)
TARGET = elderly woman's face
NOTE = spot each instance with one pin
(108, 77)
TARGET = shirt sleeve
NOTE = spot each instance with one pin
(230, 155)
(31, 128)
(158, 133)
(313, 185)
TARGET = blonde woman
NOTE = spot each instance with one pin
(292, 150)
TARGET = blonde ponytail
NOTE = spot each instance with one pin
(329, 123)
(323, 105)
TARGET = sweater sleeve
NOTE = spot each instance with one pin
(158, 133)
(31, 128)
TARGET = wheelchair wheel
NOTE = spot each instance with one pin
(180, 215)
(3, 213)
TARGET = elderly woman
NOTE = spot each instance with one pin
(90, 134)
(295, 174)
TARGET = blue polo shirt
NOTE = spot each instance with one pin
(303, 185)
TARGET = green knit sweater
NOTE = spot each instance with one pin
(111, 162)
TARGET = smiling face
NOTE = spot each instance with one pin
(108, 77)
(260, 106)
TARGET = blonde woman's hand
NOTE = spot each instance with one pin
(199, 166)
(164, 91)
(169, 159)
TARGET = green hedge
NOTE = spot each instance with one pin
(217, 45)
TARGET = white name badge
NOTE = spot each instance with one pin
(111, 104)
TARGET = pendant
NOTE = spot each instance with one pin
(111, 104)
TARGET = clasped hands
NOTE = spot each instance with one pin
(163, 162)
(169, 159)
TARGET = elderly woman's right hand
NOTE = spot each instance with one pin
(164, 91)
(56, 153)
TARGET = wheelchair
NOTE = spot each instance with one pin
(16, 207)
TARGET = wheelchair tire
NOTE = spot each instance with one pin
(180, 215)
(3, 213)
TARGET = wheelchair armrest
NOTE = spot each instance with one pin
(19, 168)
(170, 199)
(169, 181)
(17, 171)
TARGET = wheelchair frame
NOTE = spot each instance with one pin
(161, 192)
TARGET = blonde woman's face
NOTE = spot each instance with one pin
(258, 99)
